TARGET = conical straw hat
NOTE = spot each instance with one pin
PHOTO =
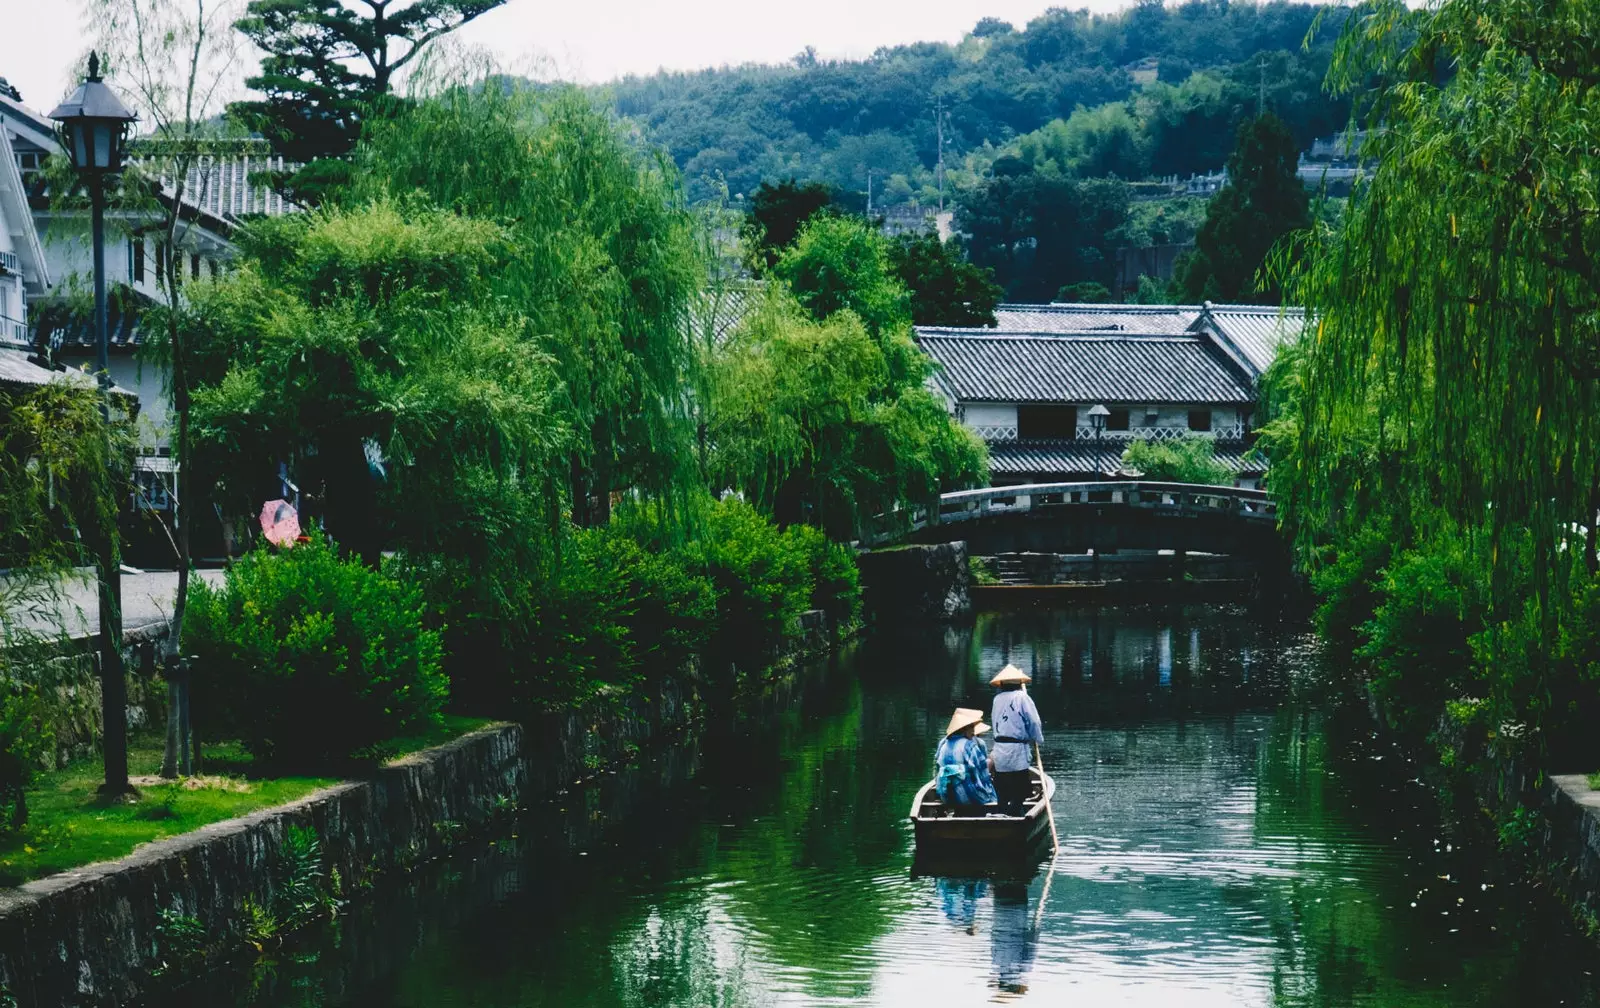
(1010, 674)
(965, 716)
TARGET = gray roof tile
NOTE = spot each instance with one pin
(983, 365)
(1256, 330)
(1065, 317)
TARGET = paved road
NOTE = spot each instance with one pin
(146, 598)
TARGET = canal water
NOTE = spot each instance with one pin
(1231, 834)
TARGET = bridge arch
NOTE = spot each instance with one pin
(1100, 516)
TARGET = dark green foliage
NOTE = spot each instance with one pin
(1263, 202)
(315, 95)
(1186, 460)
(1348, 585)
(830, 121)
(946, 290)
(777, 214)
(311, 660)
(1087, 292)
(836, 579)
(762, 578)
(1040, 231)
(26, 736)
(343, 330)
(1417, 644)
(55, 477)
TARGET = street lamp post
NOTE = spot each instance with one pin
(94, 127)
(1097, 420)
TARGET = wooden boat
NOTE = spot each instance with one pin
(937, 825)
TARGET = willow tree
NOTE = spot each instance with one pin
(816, 422)
(1458, 312)
(605, 263)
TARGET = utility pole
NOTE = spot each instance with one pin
(1261, 96)
(938, 128)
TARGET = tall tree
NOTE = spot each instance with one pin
(778, 213)
(178, 61)
(1263, 202)
(316, 95)
(1458, 332)
(1040, 231)
(945, 289)
(607, 266)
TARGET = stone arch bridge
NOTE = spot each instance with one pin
(1103, 517)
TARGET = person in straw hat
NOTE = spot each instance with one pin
(963, 765)
(1017, 730)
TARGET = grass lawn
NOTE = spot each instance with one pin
(70, 825)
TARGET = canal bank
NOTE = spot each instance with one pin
(104, 933)
(1230, 836)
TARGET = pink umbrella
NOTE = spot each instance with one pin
(279, 522)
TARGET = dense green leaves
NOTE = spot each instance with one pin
(946, 290)
(310, 659)
(604, 262)
(834, 121)
(315, 96)
(1263, 203)
(1040, 231)
(1185, 460)
(823, 420)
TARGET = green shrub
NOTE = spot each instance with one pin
(25, 737)
(1185, 460)
(762, 578)
(1434, 599)
(1348, 587)
(309, 659)
(836, 580)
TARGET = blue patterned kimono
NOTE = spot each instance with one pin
(963, 768)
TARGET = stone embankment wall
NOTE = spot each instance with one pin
(68, 677)
(908, 584)
(90, 937)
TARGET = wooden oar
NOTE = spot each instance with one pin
(1049, 806)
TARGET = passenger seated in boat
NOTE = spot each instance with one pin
(1017, 731)
(963, 766)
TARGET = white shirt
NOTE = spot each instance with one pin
(1014, 716)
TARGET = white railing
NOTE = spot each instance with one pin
(1168, 498)
(12, 331)
(1233, 433)
(10, 264)
(996, 432)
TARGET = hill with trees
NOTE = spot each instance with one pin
(1152, 90)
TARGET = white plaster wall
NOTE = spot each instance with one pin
(144, 378)
(991, 414)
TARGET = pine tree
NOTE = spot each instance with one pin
(1263, 201)
(316, 92)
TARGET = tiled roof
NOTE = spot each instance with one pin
(16, 369)
(1255, 330)
(1049, 459)
(723, 308)
(982, 365)
(61, 327)
(1065, 317)
(223, 186)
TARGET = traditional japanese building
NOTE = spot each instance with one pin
(1059, 391)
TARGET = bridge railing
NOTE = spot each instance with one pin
(1170, 498)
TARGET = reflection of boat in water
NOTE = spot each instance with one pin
(940, 829)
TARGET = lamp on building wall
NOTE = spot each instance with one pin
(94, 131)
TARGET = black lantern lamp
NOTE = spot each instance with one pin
(94, 125)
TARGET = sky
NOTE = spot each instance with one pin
(593, 40)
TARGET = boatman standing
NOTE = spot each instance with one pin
(1016, 730)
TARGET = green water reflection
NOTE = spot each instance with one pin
(1230, 836)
